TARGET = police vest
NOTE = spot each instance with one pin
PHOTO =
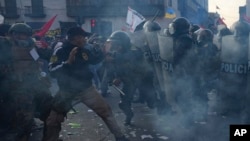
(22, 62)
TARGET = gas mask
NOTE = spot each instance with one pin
(171, 29)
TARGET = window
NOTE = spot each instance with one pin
(37, 8)
(10, 8)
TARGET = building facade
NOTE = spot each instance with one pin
(248, 7)
(194, 10)
(103, 16)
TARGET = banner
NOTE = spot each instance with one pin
(170, 14)
(53, 33)
(45, 27)
(220, 21)
(133, 19)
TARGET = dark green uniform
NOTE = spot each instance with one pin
(24, 93)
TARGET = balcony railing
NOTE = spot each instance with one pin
(111, 11)
(34, 12)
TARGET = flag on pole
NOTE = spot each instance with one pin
(220, 21)
(170, 14)
(45, 27)
(133, 19)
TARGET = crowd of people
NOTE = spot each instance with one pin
(172, 70)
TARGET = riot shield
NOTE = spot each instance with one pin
(233, 75)
(152, 41)
(247, 110)
(144, 69)
(166, 46)
(217, 41)
(138, 39)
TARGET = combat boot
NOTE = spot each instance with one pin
(128, 112)
(128, 119)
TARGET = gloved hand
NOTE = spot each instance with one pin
(117, 82)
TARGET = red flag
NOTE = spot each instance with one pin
(220, 21)
(45, 27)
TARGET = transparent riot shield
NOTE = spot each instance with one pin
(138, 39)
(152, 41)
(247, 110)
(166, 46)
(233, 75)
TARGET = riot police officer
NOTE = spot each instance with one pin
(207, 70)
(233, 73)
(151, 30)
(25, 89)
(145, 69)
(183, 64)
(124, 77)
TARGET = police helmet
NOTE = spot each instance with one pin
(205, 35)
(240, 28)
(20, 28)
(121, 38)
(179, 26)
(151, 26)
(193, 28)
(140, 26)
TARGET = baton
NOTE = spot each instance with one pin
(156, 14)
(118, 89)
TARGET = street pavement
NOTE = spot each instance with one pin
(147, 125)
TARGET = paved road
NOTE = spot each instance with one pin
(85, 125)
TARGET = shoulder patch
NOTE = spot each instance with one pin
(53, 58)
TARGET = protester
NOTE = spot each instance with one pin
(70, 65)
